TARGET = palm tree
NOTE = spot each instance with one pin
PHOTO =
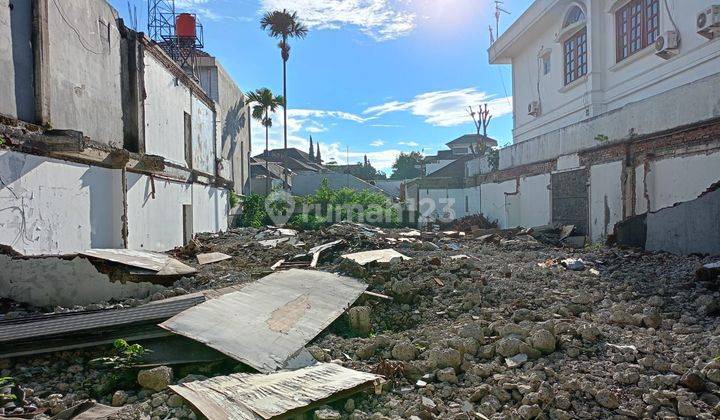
(265, 103)
(284, 25)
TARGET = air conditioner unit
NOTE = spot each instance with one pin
(534, 108)
(708, 21)
(667, 45)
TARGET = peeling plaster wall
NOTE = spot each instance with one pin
(493, 201)
(210, 208)
(680, 179)
(165, 106)
(48, 206)
(64, 282)
(606, 203)
(156, 224)
(84, 70)
(17, 97)
(203, 132)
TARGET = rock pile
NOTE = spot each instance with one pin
(496, 332)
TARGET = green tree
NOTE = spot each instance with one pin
(264, 103)
(407, 166)
(284, 25)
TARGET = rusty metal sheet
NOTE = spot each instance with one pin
(161, 264)
(212, 257)
(245, 396)
(267, 322)
(379, 256)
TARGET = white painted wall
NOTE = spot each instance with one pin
(535, 198)
(493, 201)
(210, 208)
(48, 206)
(155, 224)
(165, 106)
(84, 87)
(16, 61)
(203, 131)
(606, 204)
(680, 179)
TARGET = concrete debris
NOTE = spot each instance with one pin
(377, 256)
(153, 262)
(573, 264)
(508, 332)
(284, 394)
(212, 257)
(277, 315)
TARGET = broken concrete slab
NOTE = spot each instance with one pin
(376, 256)
(318, 250)
(267, 322)
(154, 262)
(243, 396)
(68, 281)
(212, 257)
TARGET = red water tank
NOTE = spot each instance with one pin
(185, 25)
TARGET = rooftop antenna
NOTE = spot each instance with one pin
(498, 11)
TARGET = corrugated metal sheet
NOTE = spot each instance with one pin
(73, 322)
(162, 264)
(251, 397)
(379, 256)
(269, 321)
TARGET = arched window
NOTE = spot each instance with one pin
(575, 45)
(574, 15)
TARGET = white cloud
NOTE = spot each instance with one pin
(377, 143)
(445, 108)
(409, 143)
(381, 20)
(381, 160)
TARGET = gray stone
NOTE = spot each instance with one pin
(405, 351)
(510, 346)
(359, 317)
(156, 379)
(607, 399)
(543, 341)
(447, 375)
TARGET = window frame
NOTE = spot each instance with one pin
(637, 26)
(572, 69)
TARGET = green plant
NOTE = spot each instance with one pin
(124, 356)
(307, 222)
(4, 382)
(253, 211)
(234, 199)
(2, 141)
(493, 158)
(601, 138)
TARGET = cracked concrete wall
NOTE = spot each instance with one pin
(64, 282)
(675, 180)
(17, 96)
(606, 201)
(84, 67)
(48, 206)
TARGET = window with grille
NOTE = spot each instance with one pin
(576, 56)
(637, 25)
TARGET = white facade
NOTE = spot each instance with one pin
(609, 84)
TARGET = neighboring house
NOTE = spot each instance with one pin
(469, 144)
(107, 142)
(616, 124)
(297, 160)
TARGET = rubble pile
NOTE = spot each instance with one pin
(470, 326)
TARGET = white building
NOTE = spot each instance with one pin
(616, 123)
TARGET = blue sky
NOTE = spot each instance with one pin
(375, 76)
